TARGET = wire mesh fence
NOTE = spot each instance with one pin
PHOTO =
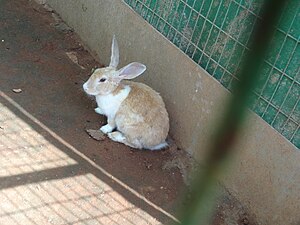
(216, 35)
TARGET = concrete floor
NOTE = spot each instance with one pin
(51, 171)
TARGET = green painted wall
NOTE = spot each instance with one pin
(215, 34)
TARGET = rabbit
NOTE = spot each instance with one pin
(136, 114)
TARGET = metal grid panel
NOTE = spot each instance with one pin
(215, 34)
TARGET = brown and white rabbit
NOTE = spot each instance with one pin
(136, 114)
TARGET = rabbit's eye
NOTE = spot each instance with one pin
(102, 80)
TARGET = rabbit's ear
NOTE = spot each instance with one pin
(131, 71)
(114, 59)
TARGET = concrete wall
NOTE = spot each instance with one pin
(266, 174)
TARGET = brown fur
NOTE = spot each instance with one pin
(142, 116)
(101, 88)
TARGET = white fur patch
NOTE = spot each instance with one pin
(99, 111)
(106, 129)
(159, 146)
(117, 136)
(110, 104)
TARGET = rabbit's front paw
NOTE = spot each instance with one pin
(99, 111)
(106, 129)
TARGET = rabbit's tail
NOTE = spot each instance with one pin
(159, 146)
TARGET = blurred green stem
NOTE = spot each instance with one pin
(199, 207)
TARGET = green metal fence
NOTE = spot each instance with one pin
(215, 34)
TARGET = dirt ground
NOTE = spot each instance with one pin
(51, 171)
